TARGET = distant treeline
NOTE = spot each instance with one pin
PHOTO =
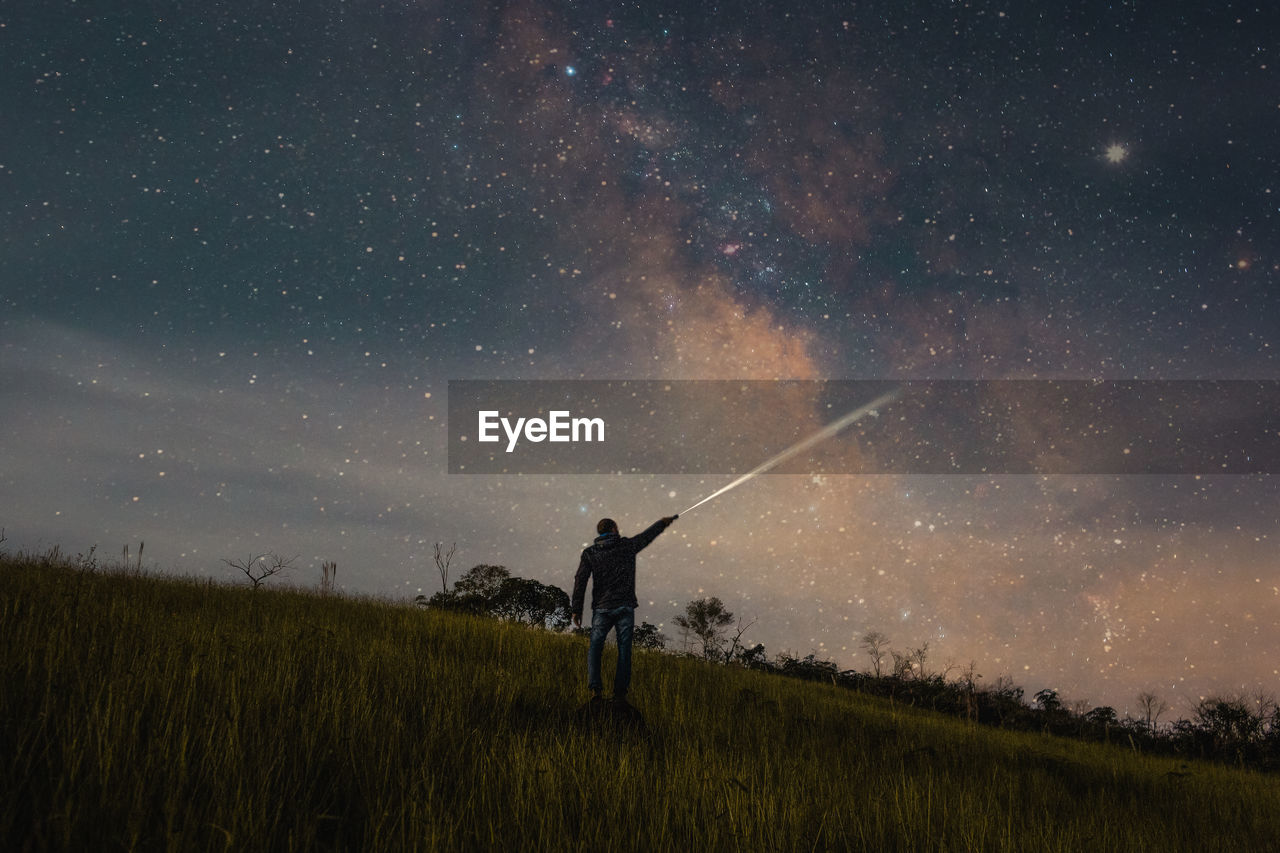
(1239, 730)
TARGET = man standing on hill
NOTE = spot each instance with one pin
(611, 560)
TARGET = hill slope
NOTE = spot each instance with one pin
(142, 712)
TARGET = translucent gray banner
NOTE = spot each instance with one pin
(927, 427)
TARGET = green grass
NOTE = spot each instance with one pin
(148, 713)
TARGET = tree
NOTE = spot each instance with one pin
(648, 636)
(1229, 721)
(330, 571)
(1152, 707)
(969, 677)
(1048, 701)
(487, 590)
(443, 558)
(901, 664)
(262, 566)
(754, 657)
(1003, 701)
(918, 657)
(531, 602)
(1265, 705)
(1103, 716)
(481, 583)
(706, 619)
(874, 642)
(736, 648)
(808, 667)
(476, 592)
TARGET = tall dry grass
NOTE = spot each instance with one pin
(148, 713)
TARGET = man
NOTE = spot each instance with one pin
(611, 560)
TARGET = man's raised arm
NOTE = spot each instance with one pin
(641, 540)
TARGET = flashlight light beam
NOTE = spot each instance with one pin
(800, 446)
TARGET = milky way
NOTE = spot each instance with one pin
(245, 249)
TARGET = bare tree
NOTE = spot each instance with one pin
(443, 558)
(1265, 703)
(735, 644)
(330, 570)
(874, 642)
(262, 566)
(918, 657)
(1152, 707)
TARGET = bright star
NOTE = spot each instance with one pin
(1116, 153)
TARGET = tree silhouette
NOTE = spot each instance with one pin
(902, 665)
(918, 656)
(706, 619)
(1049, 702)
(1104, 717)
(874, 642)
(808, 667)
(1229, 721)
(477, 592)
(1152, 707)
(754, 657)
(487, 590)
(257, 568)
(736, 648)
(443, 558)
(648, 636)
(481, 582)
(531, 602)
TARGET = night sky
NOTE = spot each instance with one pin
(245, 246)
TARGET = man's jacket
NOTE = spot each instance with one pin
(611, 560)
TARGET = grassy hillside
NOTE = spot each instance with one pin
(146, 713)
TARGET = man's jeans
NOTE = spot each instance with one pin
(623, 619)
